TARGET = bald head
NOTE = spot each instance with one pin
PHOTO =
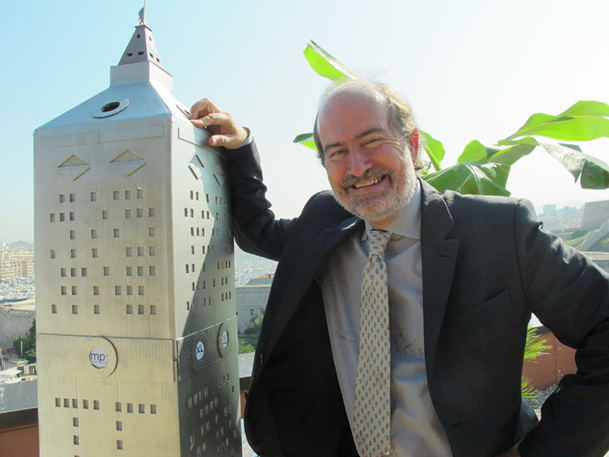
(399, 113)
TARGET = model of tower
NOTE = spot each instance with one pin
(137, 333)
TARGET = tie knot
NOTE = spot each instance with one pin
(378, 241)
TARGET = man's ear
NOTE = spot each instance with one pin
(414, 144)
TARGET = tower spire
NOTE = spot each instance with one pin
(142, 47)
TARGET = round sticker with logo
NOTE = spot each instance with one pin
(101, 356)
(200, 350)
(224, 339)
(98, 357)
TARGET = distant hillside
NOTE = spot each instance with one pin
(20, 246)
(576, 237)
(601, 245)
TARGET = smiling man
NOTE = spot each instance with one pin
(397, 318)
(369, 162)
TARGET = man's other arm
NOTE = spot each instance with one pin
(570, 296)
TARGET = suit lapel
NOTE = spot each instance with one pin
(438, 258)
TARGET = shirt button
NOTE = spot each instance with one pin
(388, 452)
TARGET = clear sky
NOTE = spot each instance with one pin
(474, 69)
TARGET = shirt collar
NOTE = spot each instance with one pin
(408, 222)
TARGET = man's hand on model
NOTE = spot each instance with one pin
(225, 130)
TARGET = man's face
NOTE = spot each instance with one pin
(371, 175)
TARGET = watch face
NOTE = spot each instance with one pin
(225, 339)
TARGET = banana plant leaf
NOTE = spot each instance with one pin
(476, 152)
(434, 149)
(326, 65)
(513, 151)
(306, 139)
(471, 178)
(484, 170)
(591, 172)
(584, 121)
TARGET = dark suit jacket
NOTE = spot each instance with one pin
(487, 265)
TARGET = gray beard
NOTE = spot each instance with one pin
(394, 206)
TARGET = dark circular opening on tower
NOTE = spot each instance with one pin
(110, 107)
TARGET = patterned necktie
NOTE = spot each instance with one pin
(372, 397)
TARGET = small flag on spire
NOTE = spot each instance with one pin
(142, 15)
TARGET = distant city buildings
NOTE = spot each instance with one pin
(558, 220)
(253, 278)
(16, 289)
(16, 261)
(251, 299)
(595, 214)
(17, 306)
(249, 266)
(15, 320)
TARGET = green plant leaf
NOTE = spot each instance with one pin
(434, 149)
(526, 140)
(595, 174)
(306, 139)
(510, 155)
(592, 173)
(473, 152)
(484, 170)
(587, 108)
(471, 178)
(571, 129)
(583, 121)
(478, 153)
(536, 345)
(527, 389)
(326, 65)
(534, 121)
(570, 158)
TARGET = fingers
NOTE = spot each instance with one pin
(229, 139)
(220, 140)
(216, 118)
(197, 123)
(205, 113)
(202, 108)
(225, 130)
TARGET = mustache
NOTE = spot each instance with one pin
(351, 180)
